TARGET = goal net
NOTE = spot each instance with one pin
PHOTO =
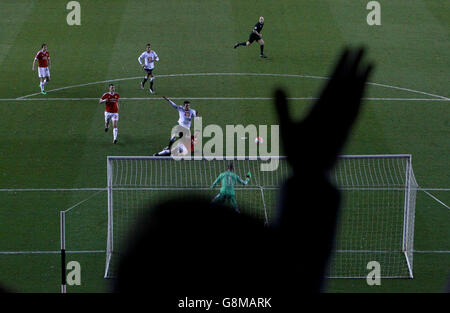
(377, 216)
(377, 212)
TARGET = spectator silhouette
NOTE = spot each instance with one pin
(194, 247)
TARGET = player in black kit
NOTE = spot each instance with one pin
(255, 35)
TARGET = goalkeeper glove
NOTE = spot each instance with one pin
(249, 175)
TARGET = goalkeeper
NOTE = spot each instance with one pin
(228, 179)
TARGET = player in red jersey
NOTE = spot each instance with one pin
(111, 100)
(43, 58)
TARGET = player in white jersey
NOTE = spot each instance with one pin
(185, 112)
(149, 56)
(185, 115)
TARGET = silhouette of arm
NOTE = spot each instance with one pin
(309, 203)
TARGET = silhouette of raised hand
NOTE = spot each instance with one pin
(317, 140)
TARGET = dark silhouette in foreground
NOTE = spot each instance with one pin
(193, 247)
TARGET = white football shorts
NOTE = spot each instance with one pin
(111, 116)
(180, 149)
(43, 72)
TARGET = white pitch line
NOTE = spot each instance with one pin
(439, 201)
(174, 98)
(81, 202)
(432, 251)
(51, 189)
(409, 90)
(105, 188)
(49, 252)
(215, 98)
(81, 85)
(232, 74)
(103, 251)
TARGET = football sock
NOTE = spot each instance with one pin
(171, 141)
(42, 86)
(115, 131)
(262, 49)
(151, 82)
(244, 43)
(144, 81)
(165, 152)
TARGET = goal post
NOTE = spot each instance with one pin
(377, 215)
(377, 211)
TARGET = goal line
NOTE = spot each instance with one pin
(30, 252)
(51, 252)
(217, 98)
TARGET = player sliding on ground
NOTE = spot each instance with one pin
(185, 114)
(181, 148)
(228, 179)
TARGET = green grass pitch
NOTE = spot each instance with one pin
(57, 142)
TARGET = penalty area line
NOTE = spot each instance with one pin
(106, 188)
(215, 98)
(432, 251)
(104, 251)
(51, 189)
(50, 252)
(232, 74)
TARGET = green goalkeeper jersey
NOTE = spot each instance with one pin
(228, 179)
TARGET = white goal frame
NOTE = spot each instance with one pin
(406, 187)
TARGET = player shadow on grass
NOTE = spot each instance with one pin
(194, 247)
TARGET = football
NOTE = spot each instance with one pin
(259, 140)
